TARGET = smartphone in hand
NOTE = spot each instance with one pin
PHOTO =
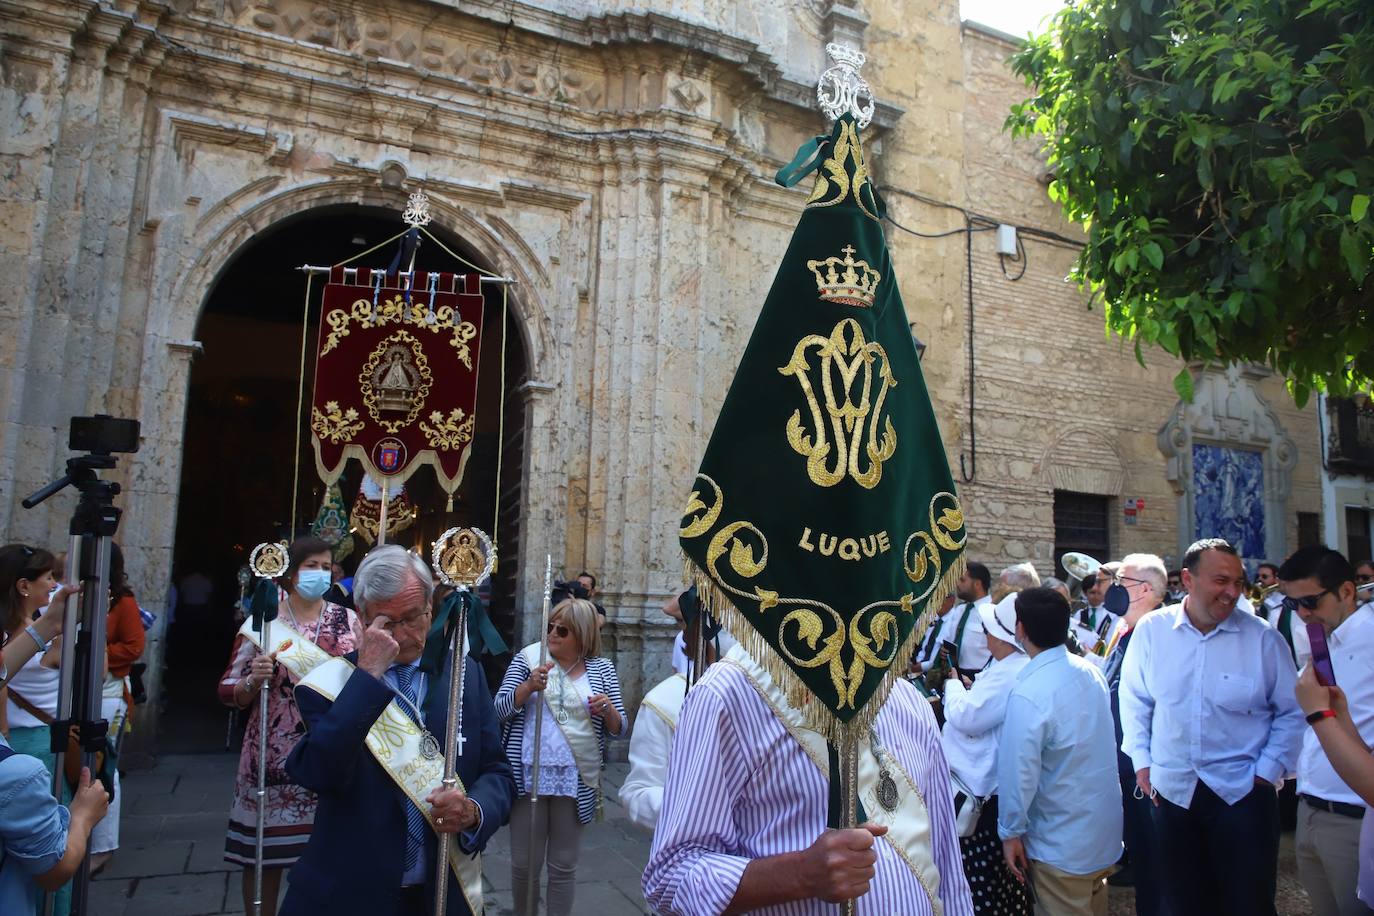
(1321, 655)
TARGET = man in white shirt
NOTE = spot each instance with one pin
(1319, 584)
(970, 648)
(655, 726)
(1093, 625)
(974, 711)
(1281, 617)
(1211, 724)
(924, 656)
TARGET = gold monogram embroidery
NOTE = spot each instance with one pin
(846, 357)
(389, 732)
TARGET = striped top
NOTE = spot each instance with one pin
(602, 677)
(741, 788)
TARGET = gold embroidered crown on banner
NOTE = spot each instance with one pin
(845, 280)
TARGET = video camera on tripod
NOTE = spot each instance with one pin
(572, 588)
(93, 524)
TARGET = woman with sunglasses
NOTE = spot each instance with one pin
(577, 694)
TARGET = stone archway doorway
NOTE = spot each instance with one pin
(239, 438)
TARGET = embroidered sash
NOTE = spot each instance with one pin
(394, 741)
(578, 730)
(908, 827)
(666, 699)
(296, 652)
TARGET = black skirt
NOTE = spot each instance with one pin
(996, 892)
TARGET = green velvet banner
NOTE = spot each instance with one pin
(824, 521)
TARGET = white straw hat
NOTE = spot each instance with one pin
(1000, 619)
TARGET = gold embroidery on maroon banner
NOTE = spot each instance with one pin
(396, 311)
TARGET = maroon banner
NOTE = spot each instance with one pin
(396, 374)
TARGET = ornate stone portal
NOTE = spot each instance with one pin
(1230, 462)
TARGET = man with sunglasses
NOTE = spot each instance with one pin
(1319, 584)
(1211, 724)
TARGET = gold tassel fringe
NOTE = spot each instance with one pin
(817, 716)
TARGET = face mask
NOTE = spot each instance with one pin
(1118, 599)
(312, 583)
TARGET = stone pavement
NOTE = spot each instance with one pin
(170, 861)
(172, 839)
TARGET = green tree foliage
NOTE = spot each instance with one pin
(1220, 155)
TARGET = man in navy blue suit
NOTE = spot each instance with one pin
(373, 721)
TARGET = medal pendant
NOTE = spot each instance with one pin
(887, 790)
(561, 716)
(429, 746)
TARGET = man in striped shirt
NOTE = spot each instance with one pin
(743, 826)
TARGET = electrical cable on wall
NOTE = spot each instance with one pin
(978, 222)
(1019, 259)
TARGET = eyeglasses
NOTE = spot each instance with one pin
(1308, 602)
(562, 631)
(1120, 580)
(414, 621)
(1363, 577)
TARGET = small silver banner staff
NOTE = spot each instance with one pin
(268, 561)
(462, 558)
(531, 889)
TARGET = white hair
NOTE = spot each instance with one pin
(1148, 568)
(384, 573)
(1014, 579)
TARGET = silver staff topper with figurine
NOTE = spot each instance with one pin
(462, 557)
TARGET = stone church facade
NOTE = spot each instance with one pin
(616, 160)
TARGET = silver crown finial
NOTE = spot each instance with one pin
(417, 213)
(841, 89)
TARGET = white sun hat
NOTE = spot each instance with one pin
(1000, 619)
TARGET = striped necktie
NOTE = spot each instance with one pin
(415, 820)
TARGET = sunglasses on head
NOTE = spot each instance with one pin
(562, 631)
(1308, 602)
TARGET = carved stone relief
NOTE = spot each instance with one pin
(319, 24)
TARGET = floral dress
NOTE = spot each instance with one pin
(290, 808)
